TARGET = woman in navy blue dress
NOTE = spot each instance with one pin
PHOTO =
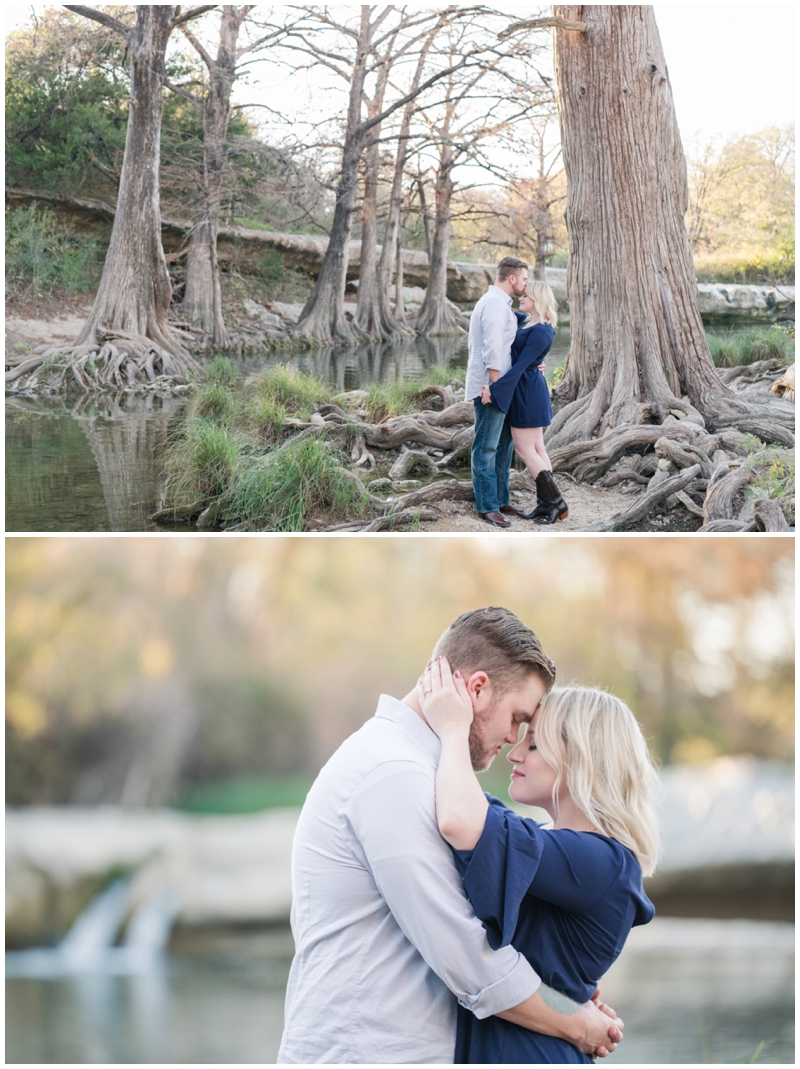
(564, 897)
(523, 395)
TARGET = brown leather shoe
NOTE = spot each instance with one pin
(512, 510)
(496, 518)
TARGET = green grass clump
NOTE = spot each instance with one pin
(267, 416)
(220, 369)
(202, 461)
(293, 390)
(216, 402)
(385, 400)
(734, 348)
(279, 491)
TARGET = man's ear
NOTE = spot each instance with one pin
(476, 683)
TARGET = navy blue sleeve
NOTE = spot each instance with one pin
(521, 317)
(536, 345)
(515, 857)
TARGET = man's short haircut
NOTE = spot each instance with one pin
(497, 642)
(509, 265)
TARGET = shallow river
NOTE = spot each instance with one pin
(93, 465)
(688, 991)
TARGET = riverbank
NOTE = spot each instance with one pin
(123, 437)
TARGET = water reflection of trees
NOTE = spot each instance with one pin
(358, 367)
(278, 648)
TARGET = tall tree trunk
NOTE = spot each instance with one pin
(322, 320)
(368, 311)
(638, 349)
(399, 314)
(434, 315)
(202, 302)
(393, 323)
(135, 289)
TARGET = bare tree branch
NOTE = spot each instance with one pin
(101, 17)
(535, 24)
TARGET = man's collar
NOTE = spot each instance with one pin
(503, 292)
(410, 723)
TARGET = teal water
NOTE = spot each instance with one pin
(689, 991)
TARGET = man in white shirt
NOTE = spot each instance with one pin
(492, 327)
(386, 940)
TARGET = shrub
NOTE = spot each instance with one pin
(43, 254)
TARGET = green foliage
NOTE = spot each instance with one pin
(733, 348)
(772, 266)
(774, 469)
(741, 206)
(43, 254)
(557, 377)
(248, 795)
(66, 98)
(269, 267)
(280, 491)
(201, 462)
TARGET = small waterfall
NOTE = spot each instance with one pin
(96, 928)
(88, 947)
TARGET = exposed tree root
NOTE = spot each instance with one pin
(647, 502)
(117, 360)
(677, 464)
(768, 516)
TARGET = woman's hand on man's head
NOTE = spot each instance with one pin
(444, 698)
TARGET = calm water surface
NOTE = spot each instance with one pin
(688, 991)
(93, 465)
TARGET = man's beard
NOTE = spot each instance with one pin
(480, 756)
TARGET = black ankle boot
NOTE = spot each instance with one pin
(542, 510)
(555, 507)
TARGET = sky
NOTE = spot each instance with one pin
(731, 65)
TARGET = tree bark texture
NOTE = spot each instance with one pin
(322, 320)
(434, 316)
(135, 289)
(368, 310)
(202, 302)
(638, 347)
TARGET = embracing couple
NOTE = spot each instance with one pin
(505, 380)
(432, 923)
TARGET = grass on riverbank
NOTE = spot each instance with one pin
(733, 348)
(774, 476)
(232, 448)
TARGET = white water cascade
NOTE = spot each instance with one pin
(90, 945)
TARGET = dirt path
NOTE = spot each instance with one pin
(587, 505)
(40, 325)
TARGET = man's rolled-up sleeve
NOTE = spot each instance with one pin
(494, 317)
(393, 816)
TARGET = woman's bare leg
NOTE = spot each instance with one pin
(540, 449)
(529, 444)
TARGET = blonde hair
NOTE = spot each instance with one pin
(595, 744)
(545, 301)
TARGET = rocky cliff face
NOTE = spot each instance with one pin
(241, 248)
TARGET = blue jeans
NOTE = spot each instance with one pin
(492, 449)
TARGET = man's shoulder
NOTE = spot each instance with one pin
(380, 744)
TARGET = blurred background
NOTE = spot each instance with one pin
(170, 700)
